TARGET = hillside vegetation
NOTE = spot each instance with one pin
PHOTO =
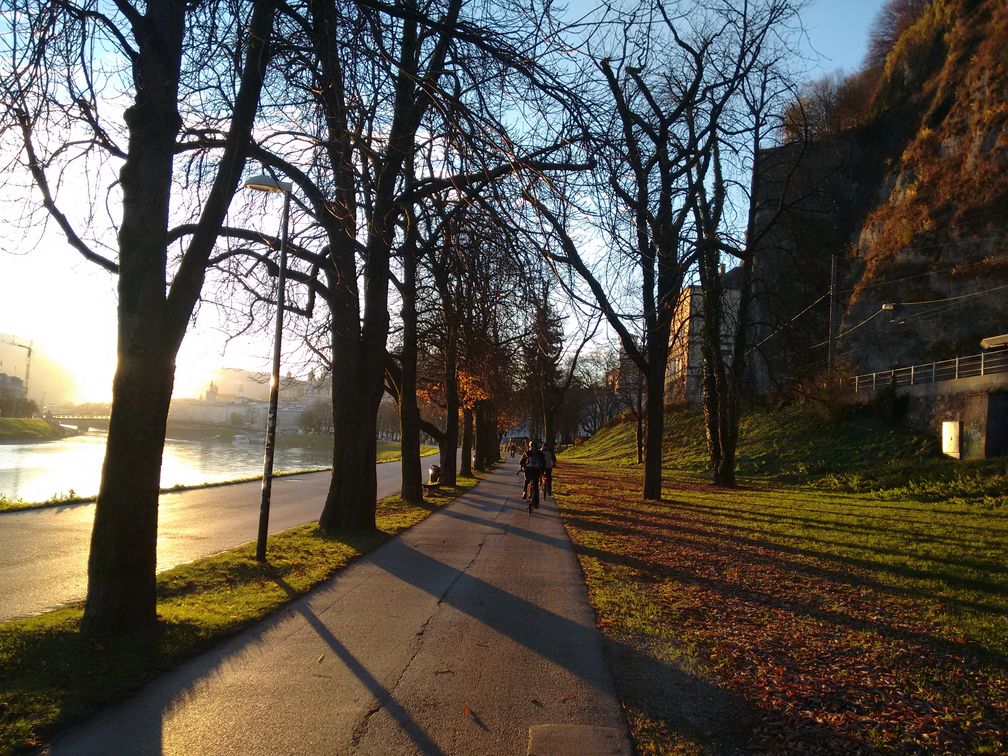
(859, 451)
(938, 229)
(29, 429)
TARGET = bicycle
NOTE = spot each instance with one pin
(533, 495)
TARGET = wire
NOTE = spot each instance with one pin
(950, 299)
(851, 329)
(931, 272)
(785, 325)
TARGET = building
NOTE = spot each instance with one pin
(684, 372)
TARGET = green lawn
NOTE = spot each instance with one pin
(25, 429)
(861, 451)
(852, 596)
(53, 677)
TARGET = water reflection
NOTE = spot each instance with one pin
(37, 472)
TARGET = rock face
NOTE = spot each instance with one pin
(914, 202)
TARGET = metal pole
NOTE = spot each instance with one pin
(831, 341)
(271, 419)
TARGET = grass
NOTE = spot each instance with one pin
(799, 618)
(387, 452)
(53, 677)
(862, 451)
(14, 429)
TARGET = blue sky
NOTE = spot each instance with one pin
(838, 32)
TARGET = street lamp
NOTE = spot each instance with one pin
(264, 183)
(992, 342)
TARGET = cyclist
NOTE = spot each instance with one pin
(532, 464)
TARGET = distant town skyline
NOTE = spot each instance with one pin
(65, 306)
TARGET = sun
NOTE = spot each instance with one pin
(191, 380)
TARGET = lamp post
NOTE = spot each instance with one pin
(264, 183)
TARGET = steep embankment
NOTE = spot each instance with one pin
(862, 450)
(14, 429)
(937, 238)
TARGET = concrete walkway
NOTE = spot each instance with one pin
(468, 634)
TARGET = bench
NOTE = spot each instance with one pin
(429, 487)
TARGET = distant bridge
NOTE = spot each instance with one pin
(80, 421)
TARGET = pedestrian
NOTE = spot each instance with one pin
(551, 462)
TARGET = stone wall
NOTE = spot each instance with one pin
(983, 418)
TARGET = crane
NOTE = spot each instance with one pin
(28, 348)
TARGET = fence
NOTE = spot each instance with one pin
(986, 363)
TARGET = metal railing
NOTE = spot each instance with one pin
(986, 363)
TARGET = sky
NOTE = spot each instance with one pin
(65, 307)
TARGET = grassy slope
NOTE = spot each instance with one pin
(28, 429)
(862, 452)
(791, 615)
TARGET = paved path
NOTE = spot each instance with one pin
(468, 634)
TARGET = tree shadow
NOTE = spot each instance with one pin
(715, 718)
(384, 697)
(800, 607)
(749, 546)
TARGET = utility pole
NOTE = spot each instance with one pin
(831, 341)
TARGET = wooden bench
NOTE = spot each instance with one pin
(428, 487)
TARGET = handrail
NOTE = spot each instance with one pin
(975, 365)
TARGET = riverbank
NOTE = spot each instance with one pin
(20, 430)
(388, 451)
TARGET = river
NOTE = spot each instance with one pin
(39, 471)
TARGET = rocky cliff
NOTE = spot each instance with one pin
(913, 201)
(936, 241)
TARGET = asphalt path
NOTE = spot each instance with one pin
(469, 633)
(43, 552)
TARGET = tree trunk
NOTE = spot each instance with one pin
(549, 424)
(731, 403)
(121, 564)
(353, 485)
(487, 439)
(409, 423)
(654, 429)
(639, 414)
(466, 470)
(409, 414)
(122, 561)
(449, 444)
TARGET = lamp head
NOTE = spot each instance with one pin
(263, 182)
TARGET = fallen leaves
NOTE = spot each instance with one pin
(837, 648)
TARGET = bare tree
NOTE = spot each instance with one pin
(72, 66)
(596, 376)
(369, 140)
(894, 18)
(739, 121)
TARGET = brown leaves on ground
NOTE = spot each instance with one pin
(820, 648)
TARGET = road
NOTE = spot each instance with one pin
(43, 552)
